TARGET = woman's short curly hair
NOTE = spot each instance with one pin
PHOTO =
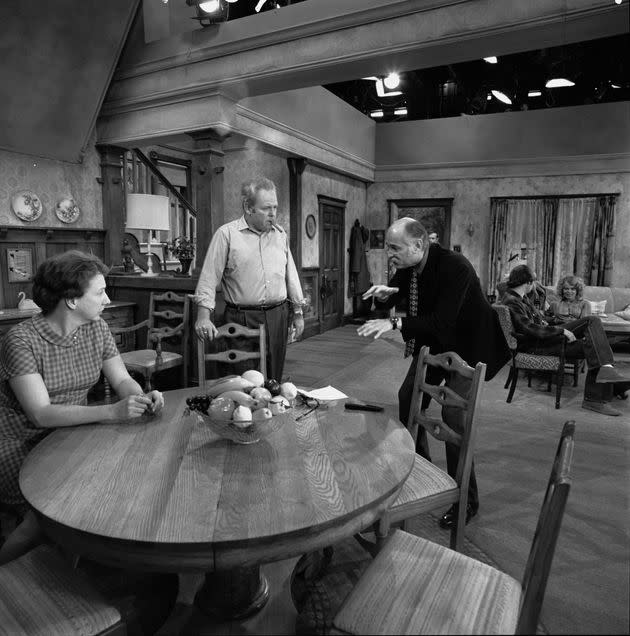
(571, 281)
(65, 275)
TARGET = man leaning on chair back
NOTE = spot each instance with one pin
(447, 311)
(586, 339)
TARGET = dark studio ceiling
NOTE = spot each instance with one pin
(600, 70)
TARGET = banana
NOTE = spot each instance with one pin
(240, 397)
(229, 384)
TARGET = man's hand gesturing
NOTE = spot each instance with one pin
(380, 292)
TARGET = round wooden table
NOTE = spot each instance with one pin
(165, 493)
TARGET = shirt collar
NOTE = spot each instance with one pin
(45, 330)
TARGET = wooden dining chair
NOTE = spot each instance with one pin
(168, 319)
(229, 332)
(415, 586)
(429, 487)
(554, 365)
(41, 595)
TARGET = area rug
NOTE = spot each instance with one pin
(321, 581)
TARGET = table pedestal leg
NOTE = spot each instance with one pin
(233, 595)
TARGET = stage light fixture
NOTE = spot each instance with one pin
(210, 12)
(491, 60)
(391, 81)
(502, 97)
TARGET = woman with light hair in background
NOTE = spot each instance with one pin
(571, 304)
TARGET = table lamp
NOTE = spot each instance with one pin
(148, 212)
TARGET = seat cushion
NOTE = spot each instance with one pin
(41, 595)
(145, 359)
(426, 487)
(536, 362)
(414, 586)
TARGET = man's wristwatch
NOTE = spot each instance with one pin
(395, 321)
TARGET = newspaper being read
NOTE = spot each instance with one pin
(325, 393)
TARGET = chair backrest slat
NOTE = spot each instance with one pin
(230, 331)
(546, 535)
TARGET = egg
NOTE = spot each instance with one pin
(288, 390)
(253, 376)
(242, 416)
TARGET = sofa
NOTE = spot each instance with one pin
(617, 298)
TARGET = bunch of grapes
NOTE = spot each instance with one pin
(199, 403)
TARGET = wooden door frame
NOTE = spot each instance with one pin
(340, 204)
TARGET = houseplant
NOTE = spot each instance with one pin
(184, 250)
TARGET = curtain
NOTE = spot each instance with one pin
(498, 242)
(602, 245)
(523, 232)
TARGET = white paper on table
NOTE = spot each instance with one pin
(325, 393)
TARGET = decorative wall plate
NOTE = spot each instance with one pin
(311, 226)
(67, 210)
(26, 205)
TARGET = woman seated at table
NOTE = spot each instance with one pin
(571, 304)
(48, 364)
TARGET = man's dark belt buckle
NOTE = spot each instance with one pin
(255, 307)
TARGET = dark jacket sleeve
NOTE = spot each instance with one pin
(441, 324)
(527, 328)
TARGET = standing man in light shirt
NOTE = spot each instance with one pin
(250, 260)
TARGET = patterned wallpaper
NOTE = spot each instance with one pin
(471, 203)
(52, 181)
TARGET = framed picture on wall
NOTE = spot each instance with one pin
(19, 265)
(377, 239)
(434, 214)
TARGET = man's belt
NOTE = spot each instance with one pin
(255, 307)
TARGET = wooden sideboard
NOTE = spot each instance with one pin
(116, 314)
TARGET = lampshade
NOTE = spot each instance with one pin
(148, 212)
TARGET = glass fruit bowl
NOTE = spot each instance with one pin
(257, 430)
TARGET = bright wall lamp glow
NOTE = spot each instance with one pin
(376, 113)
(559, 82)
(400, 111)
(502, 97)
(534, 93)
(491, 60)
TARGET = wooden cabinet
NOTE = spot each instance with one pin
(116, 314)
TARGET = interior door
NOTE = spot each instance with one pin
(331, 263)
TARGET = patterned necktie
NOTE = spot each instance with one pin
(412, 310)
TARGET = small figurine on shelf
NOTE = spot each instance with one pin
(183, 249)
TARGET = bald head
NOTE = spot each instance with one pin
(406, 241)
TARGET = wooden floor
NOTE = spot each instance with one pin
(588, 591)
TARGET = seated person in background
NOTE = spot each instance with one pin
(571, 304)
(48, 364)
(586, 339)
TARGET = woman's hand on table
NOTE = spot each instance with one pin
(132, 406)
(157, 402)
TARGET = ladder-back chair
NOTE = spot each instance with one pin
(415, 586)
(168, 319)
(429, 487)
(229, 332)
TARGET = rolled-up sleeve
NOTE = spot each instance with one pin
(212, 271)
(294, 288)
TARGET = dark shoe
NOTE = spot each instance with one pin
(448, 518)
(610, 374)
(600, 407)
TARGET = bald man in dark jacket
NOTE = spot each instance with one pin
(453, 315)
